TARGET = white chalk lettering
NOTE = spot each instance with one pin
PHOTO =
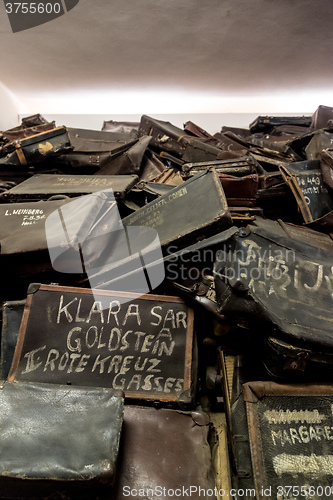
(32, 362)
(64, 309)
(132, 310)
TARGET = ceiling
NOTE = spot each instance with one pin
(211, 55)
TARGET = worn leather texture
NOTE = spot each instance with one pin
(165, 448)
(58, 441)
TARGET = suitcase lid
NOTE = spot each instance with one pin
(281, 279)
(143, 346)
(185, 200)
(42, 186)
(291, 437)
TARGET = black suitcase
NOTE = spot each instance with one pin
(142, 345)
(203, 189)
(166, 137)
(290, 432)
(43, 186)
(36, 148)
(266, 123)
(321, 139)
(277, 279)
(326, 166)
(12, 312)
(314, 200)
(58, 441)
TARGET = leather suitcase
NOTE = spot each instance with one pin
(237, 370)
(21, 133)
(290, 431)
(197, 131)
(313, 199)
(12, 312)
(128, 162)
(58, 441)
(142, 345)
(120, 127)
(326, 166)
(321, 117)
(36, 148)
(93, 141)
(280, 286)
(166, 137)
(43, 186)
(162, 448)
(322, 139)
(204, 188)
(266, 123)
(238, 167)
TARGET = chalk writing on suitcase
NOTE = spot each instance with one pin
(295, 425)
(143, 347)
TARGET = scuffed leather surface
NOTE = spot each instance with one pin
(62, 434)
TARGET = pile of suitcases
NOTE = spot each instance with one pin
(155, 279)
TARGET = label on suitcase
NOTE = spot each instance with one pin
(306, 183)
(22, 226)
(58, 441)
(178, 216)
(291, 438)
(143, 347)
(279, 277)
(43, 186)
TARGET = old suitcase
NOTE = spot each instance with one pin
(140, 344)
(120, 127)
(241, 166)
(128, 162)
(321, 139)
(23, 243)
(197, 131)
(326, 166)
(237, 370)
(12, 312)
(43, 186)
(14, 135)
(164, 454)
(266, 123)
(314, 201)
(277, 279)
(321, 117)
(92, 141)
(203, 189)
(36, 148)
(171, 139)
(58, 441)
(290, 430)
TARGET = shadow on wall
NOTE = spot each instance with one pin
(9, 106)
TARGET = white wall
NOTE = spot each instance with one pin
(9, 109)
(212, 122)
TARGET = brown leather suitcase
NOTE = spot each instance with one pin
(164, 454)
